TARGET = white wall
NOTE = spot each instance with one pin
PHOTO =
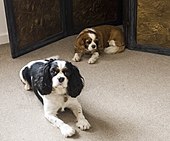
(3, 26)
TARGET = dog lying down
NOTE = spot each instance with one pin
(56, 83)
(95, 40)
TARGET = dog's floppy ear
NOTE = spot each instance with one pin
(44, 81)
(76, 81)
(79, 44)
(80, 41)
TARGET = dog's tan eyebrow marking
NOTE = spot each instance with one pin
(56, 70)
(65, 99)
(65, 68)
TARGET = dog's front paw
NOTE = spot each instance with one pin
(67, 130)
(76, 57)
(93, 58)
(83, 124)
(91, 61)
(27, 87)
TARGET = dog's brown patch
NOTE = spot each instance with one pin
(65, 98)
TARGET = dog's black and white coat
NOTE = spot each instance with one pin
(56, 83)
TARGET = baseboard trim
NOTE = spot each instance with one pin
(4, 38)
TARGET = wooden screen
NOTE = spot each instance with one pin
(33, 24)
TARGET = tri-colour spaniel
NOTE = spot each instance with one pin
(56, 83)
(95, 40)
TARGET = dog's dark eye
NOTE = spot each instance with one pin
(54, 71)
(96, 41)
(88, 41)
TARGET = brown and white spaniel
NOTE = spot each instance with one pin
(95, 40)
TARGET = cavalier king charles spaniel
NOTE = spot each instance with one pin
(95, 40)
(56, 83)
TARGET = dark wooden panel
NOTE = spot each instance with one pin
(88, 13)
(33, 24)
(36, 20)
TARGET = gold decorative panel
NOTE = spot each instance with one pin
(153, 22)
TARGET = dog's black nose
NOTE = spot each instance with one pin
(61, 79)
(93, 46)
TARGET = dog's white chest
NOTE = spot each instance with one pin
(54, 102)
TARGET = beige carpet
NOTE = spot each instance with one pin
(126, 97)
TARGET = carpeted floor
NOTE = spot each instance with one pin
(126, 97)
